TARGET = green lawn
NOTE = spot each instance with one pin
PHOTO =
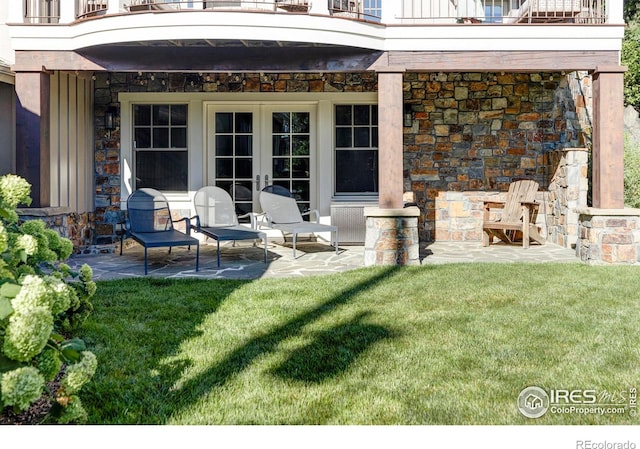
(440, 344)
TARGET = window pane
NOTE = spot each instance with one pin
(300, 167)
(361, 114)
(300, 122)
(281, 167)
(162, 170)
(179, 115)
(374, 137)
(142, 115)
(161, 114)
(300, 146)
(179, 138)
(343, 115)
(364, 179)
(224, 121)
(300, 190)
(160, 138)
(281, 122)
(374, 115)
(243, 168)
(224, 168)
(343, 138)
(361, 137)
(244, 122)
(142, 137)
(243, 145)
(224, 145)
(281, 145)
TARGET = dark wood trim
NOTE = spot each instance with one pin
(505, 61)
(308, 59)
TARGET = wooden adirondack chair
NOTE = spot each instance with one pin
(519, 212)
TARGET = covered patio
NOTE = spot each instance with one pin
(245, 261)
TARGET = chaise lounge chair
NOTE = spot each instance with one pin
(216, 218)
(150, 224)
(282, 213)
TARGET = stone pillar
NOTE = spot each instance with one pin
(391, 236)
(608, 236)
(33, 134)
(608, 137)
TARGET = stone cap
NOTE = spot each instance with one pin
(44, 211)
(624, 212)
(411, 211)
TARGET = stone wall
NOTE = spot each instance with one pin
(473, 134)
(76, 227)
(608, 236)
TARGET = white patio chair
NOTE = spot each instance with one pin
(282, 213)
(216, 218)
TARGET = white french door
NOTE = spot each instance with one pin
(250, 147)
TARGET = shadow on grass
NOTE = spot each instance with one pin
(138, 323)
(332, 351)
(242, 357)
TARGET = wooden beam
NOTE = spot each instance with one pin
(608, 137)
(501, 61)
(390, 140)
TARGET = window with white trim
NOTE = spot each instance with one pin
(160, 146)
(356, 149)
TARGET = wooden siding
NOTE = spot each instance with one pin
(71, 142)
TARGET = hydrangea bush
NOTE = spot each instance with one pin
(42, 302)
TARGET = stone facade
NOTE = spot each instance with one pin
(473, 134)
(391, 236)
(79, 228)
(608, 236)
(568, 190)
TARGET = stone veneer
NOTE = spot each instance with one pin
(472, 134)
(391, 236)
(608, 236)
(76, 227)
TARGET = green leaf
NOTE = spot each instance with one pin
(5, 308)
(7, 364)
(75, 343)
(9, 290)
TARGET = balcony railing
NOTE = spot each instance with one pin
(503, 11)
(390, 11)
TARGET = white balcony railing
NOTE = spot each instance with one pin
(387, 11)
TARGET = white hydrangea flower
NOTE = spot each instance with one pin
(20, 387)
(80, 373)
(27, 333)
(62, 295)
(4, 238)
(28, 243)
(34, 293)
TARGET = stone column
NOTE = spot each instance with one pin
(608, 236)
(391, 236)
(33, 134)
(608, 137)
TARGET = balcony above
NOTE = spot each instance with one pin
(388, 12)
(108, 26)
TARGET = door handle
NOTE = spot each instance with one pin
(257, 183)
(266, 180)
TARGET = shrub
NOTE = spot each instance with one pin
(631, 173)
(42, 301)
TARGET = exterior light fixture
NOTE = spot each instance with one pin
(110, 120)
